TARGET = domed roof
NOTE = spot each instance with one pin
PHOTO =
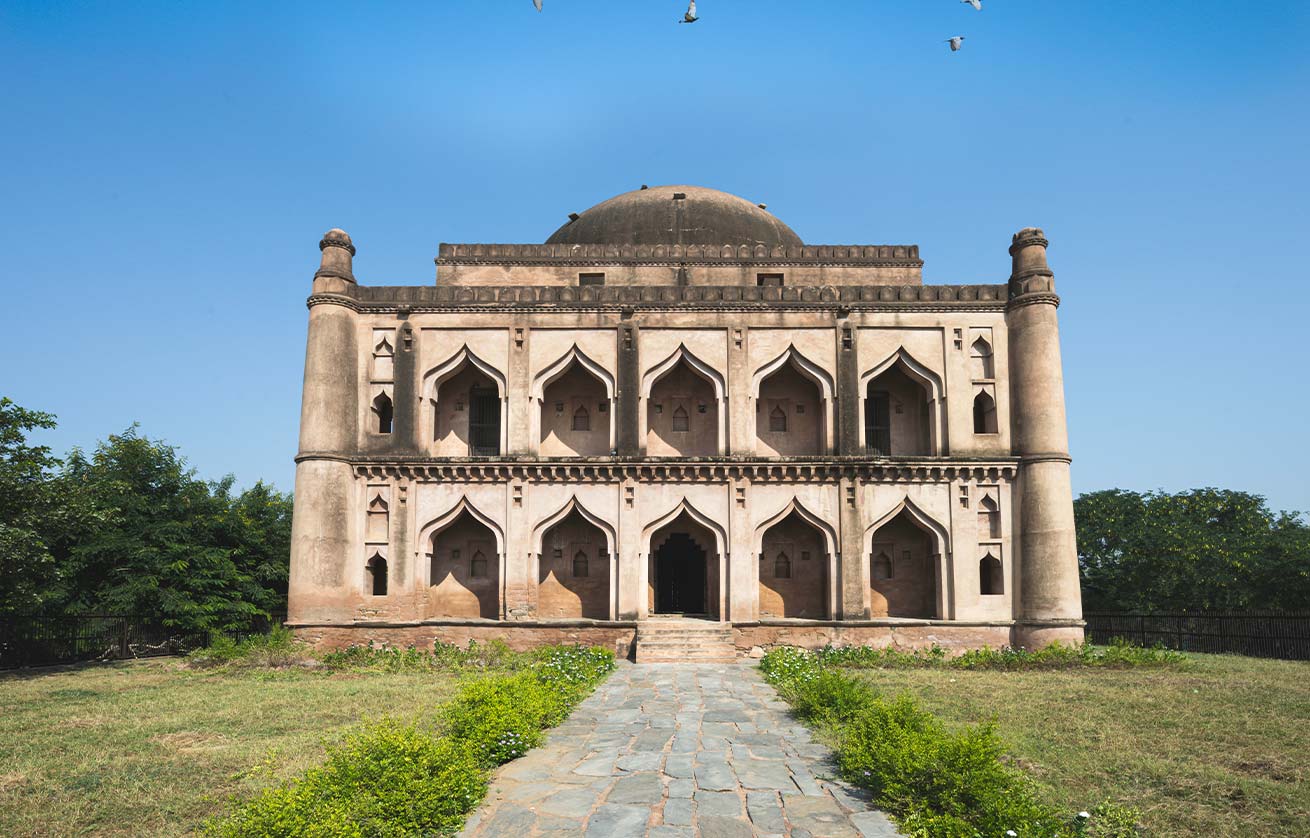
(675, 215)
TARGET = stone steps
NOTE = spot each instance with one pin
(674, 641)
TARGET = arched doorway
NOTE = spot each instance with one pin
(684, 569)
(464, 570)
(573, 579)
(903, 569)
(793, 571)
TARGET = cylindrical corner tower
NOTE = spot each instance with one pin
(323, 515)
(1050, 600)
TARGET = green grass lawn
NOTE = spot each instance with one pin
(1220, 748)
(151, 748)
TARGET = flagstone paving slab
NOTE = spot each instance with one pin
(680, 750)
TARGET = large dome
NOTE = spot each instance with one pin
(676, 215)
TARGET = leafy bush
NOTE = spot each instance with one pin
(940, 783)
(392, 779)
(279, 647)
(1119, 655)
(388, 779)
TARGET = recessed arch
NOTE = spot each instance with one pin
(807, 370)
(795, 505)
(438, 375)
(465, 568)
(809, 590)
(475, 426)
(451, 515)
(919, 373)
(938, 557)
(719, 533)
(574, 505)
(699, 369)
(565, 437)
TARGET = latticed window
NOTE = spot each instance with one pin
(579, 564)
(782, 567)
(778, 420)
(878, 423)
(681, 421)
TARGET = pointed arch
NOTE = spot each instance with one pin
(574, 505)
(682, 353)
(806, 367)
(828, 531)
(435, 377)
(720, 534)
(702, 370)
(561, 366)
(450, 516)
(923, 375)
(941, 535)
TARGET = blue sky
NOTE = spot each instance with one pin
(168, 168)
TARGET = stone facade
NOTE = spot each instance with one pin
(557, 441)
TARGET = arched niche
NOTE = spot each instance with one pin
(467, 407)
(574, 415)
(464, 549)
(901, 408)
(683, 408)
(797, 394)
(809, 546)
(576, 565)
(909, 564)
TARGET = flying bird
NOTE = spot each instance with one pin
(690, 16)
(956, 42)
(537, 3)
(977, 4)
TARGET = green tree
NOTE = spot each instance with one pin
(1194, 550)
(170, 545)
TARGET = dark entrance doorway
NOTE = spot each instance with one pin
(680, 580)
(484, 422)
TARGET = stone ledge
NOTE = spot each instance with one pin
(906, 255)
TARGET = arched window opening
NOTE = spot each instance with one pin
(681, 421)
(882, 566)
(984, 413)
(478, 567)
(901, 411)
(878, 423)
(377, 572)
(782, 567)
(991, 579)
(579, 564)
(778, 420)
(568, 585)
(581, 419)
(989, 518)
(982, 362)
(383, 409)
(466, 413)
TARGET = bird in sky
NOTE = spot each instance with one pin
(977, 4)
(537, 3)
(690, 16)
(956, 42)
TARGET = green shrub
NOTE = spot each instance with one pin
(1118, 655)
(938, 782)
(387, 779)
(391, 779)
(278, 648)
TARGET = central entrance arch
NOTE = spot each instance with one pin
(683, 570)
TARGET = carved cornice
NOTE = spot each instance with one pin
(654, 471)
(337, 274)
(906, 255)
(499, 298)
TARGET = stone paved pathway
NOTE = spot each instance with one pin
(673, 750)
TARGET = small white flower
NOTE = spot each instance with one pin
(1010, 833)
(1082, 816)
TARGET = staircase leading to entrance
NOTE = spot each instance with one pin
(681, 640)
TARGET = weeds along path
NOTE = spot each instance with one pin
(669, 750)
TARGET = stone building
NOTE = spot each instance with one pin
(675, 407)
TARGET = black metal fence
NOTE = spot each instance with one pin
(42, 641)
(1260, 634)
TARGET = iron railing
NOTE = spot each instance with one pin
(1261, 634)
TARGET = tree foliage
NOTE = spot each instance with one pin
(1195, 550)
(130, 529)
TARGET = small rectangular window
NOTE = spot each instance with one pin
(770, 280)
(591, 279)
